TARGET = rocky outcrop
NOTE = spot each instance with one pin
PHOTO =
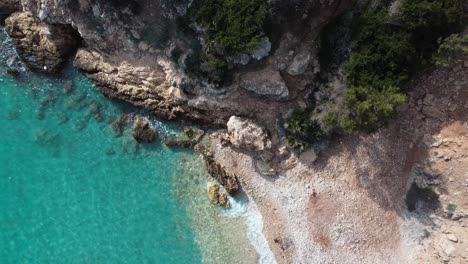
(41, 46)
(228, 181)
(189, 139)
(300, 62)
(8, 7)
(267, 84)
(142, 131)
(216, 196)
(244, 133)
(147, 87)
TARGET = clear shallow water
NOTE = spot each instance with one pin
(72, 192)
(65, 198)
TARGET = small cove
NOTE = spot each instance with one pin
(73, 192)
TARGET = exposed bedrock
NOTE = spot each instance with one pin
(42, 47)
(266, 84)
(216, 196)
(246, 134)
(142, 131)
(136, 52)
(147, 87)
(8, 7)
(227, 180)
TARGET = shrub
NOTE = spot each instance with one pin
(381, 53)
(230, 27)
(429, 20)
(387, 51)
(369, 108)
(452, 50)
(302, 130)
(236, 25)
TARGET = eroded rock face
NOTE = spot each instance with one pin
(266, 84)
(244, 133)
(147, 87)
(7, 7)
(142, 131)
(299, 64)
(41, 46)
(228, 181)
(216, 196)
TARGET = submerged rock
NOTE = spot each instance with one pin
(246, 134)
(194, 133)
(13, 72)
(216, 196)
(42, 47)
(68, 87)
(189, 139)
(142, 131)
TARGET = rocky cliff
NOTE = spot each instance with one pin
(137, 51)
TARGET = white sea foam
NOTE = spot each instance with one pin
(241, 207)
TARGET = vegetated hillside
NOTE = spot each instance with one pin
(388, 45)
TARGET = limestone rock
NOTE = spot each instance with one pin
(299, 64)
(446, 248)
(246, 134)
(266, 84)
(452, 238)
(142, 132)
(42, 47)
(290, 163)
(228, 181)
(194, 133)
(263, 49)
(189, 139)
(308, 157)
(216, 196)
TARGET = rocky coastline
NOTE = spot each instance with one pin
(311, 203)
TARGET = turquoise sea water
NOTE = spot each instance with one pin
(72, 192)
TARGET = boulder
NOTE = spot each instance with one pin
(308, 157)
(42, 47)
(194, 133)
(266, 84)
(228, 181)
(299, 64)
(216, 196)
(189, 139)
(142, 131)
(246, 134)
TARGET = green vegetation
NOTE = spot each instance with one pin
(232, 25)
(229, 27)
(452, 50)
(427, 21)
(388, 51)
(369, 108)
(381, 53)
(302, 131)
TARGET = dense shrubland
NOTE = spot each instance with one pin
(386, 52)
(230, 27)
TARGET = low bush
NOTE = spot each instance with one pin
(388, 51)
(229, 27)
(369, 108)
(452, 50)
(302, 130)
